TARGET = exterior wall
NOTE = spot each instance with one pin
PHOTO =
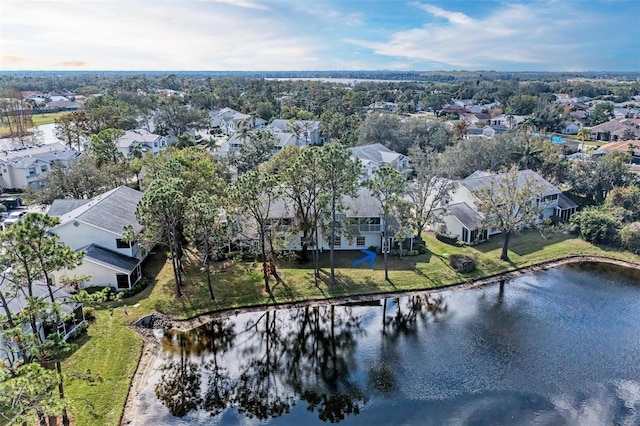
(452, 226)
(82, 235)
(100, 275)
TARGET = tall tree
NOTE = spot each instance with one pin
(206, 229)
(428, 190)
(160, 212)
(389, 187)
(339, 178)
(595, 178)
(253, 194)
(104, 146)
(508, 203)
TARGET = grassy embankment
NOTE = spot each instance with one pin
(38, 120)
(111, 350)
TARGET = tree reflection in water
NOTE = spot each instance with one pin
(179, 386)
(281, 357)
(404, 322)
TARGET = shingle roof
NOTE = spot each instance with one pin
(140, 136)
(63, 206)
(465, 214)
(375, 152)
(476, 182)
(17, 301)
(112, 210)
(110, 258)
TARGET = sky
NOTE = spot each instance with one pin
(261, 35)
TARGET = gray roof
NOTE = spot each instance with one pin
(476, 181)
(465, 214)
(63, 206)
(364, 204)
(375, 152)
(565, 202)
(139, 136)
(110, 258)
(283, 125)
(112, 210)
(17, 301)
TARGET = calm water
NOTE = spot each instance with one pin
(557, 347)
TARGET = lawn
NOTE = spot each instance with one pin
(111, 350)
(38, 120)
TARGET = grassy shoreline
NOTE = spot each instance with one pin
(111, 350)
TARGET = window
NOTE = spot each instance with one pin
(43, 168)
(120, 243)
(122, 280)
(360, 241)
(32, 171)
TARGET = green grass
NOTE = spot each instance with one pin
(99, 372)
(111, 350)
(38, 120)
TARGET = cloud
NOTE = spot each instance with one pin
(70, 64)
(513, 35)
(11, 59)
(242, 3)
(119, 35)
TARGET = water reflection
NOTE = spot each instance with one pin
(559, 347)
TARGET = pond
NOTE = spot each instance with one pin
(555, 347)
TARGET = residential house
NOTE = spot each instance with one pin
(17, 301)
(631, 147)
(389, 107)
(141, 139)
(614, 130)
(376, 155)
(229, 121)
(362, 212)
(460, 217)
(491, 131)
(27, 166)
(476, 118)
(96, 227)
(308, 132)
(570, 128)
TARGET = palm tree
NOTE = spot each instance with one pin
(528, 156)
(584, 134)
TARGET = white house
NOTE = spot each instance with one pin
(376, 155)
(96, 226)
(229, 121)
(142, 138)
(459, 217)
(17, 301)
(362, 212)
(308, 132)
(27, 166)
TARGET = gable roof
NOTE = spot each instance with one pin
(62, 206)
(465, 215)
(478, 180)
(375, 152)
(17, 301)
(112, 210)
(140, 136)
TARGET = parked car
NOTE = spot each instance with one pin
(13, 218)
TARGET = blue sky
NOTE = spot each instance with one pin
(545, 35)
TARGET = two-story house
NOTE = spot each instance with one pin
(16, 302)
(141, 139)
(96, 226)
(376, 155)
(362, 215)
(460, 217)
(230, 121)
(27, 167)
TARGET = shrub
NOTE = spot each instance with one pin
(374, 249)
(421, 248)
(630, 237)
(446, 238)
(89, 313)
(597, 225)
(462, 263)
